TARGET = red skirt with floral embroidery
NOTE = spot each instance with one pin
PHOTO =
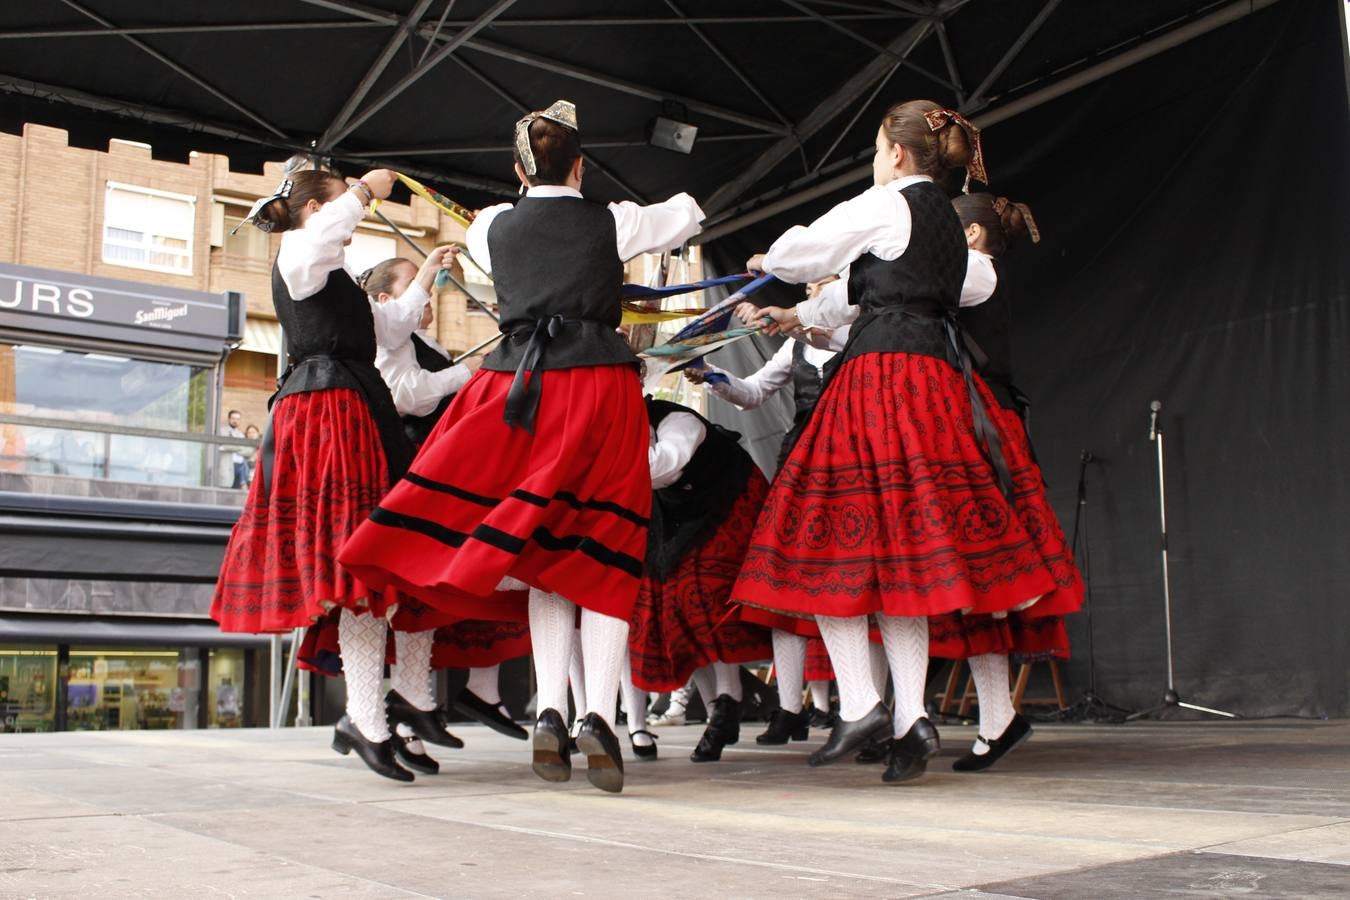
(687, 620)
(887, 504)
(477, 644)
(818, 665)
(563, 508)
(1037, 631)
(280, 570)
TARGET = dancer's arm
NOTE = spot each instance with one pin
(677, 437)
(654, 228)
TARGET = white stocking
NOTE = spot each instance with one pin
(576, 674)
(906, 642)
(991, 687)
(846, 639)
(551, 628)
(789, 666)
(728, 680)
(706, 683)
(411, 673)
(604, 640)
(362, 642)
(485, 684)
(820, 695)
(880, 668)
(634, 703)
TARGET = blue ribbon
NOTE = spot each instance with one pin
(673, 290)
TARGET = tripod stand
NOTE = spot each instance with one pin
(1089, 706)
(1171, 699)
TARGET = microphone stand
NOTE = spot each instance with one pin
(1089, 706)
(1171, 699)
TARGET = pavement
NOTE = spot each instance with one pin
(1209, 809)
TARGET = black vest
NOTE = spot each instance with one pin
(418, 428)
(687, 513)
(330, 343)
(990, 324)
(905, 300)
(807, 383)
(558, 256)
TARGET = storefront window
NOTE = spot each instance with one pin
(27, 689)
(111, 690)
(225, 691)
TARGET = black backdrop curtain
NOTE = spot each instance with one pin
(1194, 211)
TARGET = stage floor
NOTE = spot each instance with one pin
(1169, 809)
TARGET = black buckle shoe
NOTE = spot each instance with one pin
(910, 754)
(785, 726)
(647, 752)
(552, 762)
(604, 762)
(724, 730)
(475, 707)
(1016, 734)
(413, 757)
(847, 737)
(379, 757)
(873, 751)
(427, 724)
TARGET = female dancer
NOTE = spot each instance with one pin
(333, 446)
(892, 503)
(708, 494)
(991, 224)
(558, 410)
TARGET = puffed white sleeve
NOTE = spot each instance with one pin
(309, 255)
(753, 390)
(876, 219)
(829, 309)
(418, 391)
(677, 437)
(475, 237)
(657, 227)
(396, 320)
(981, 279)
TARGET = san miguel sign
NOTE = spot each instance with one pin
(126, 311)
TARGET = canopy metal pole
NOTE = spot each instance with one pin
(283, 707)
(274, 659)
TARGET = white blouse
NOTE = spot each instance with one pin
(674, 443)
(981, 278)
(309, 254)
(417, 391)
(774, 375)
(640, 229)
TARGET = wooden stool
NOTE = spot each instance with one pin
(948, 695)
(1020, 687)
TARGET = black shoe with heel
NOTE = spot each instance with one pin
(785, 726)
(848, 737)
(1016, 734)
(475, 707)
(408, 751)
(910, 754)
(427, 724)
(724, 729)
(873, 751)
(552, 762)
(604, 762)
(647, 752)
(378, 756)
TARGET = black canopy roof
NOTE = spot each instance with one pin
(785, 93)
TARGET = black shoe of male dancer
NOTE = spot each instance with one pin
(823, 718)
(785, 726)
(552, 762)
(873, 751)
(847, 737)
(378, 756)
(1017, 732)
(475, 707)
(604, 762)
(408, 751)
(427, 724)
(910, 754)
(724, 729)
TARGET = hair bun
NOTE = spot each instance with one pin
(1017, 219)
(953, 147)
(275, 216)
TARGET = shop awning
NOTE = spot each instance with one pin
(262, 336)
(86, 630)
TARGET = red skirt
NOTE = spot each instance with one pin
(563, 509)
(1039, 630)
(886, 504)
(687, 620)
(818, 665)
(280, 570)
(476, 644)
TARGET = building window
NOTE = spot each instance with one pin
(123, 689)
(148, 229)
(225, 689)
(27, 689)
(367, 249)
(246, 243)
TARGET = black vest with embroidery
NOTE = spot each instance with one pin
(558, 256)
(418, 428)
(905, 300)
(807, 383)
(687, 513)
(990, 324)
(330, 343)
